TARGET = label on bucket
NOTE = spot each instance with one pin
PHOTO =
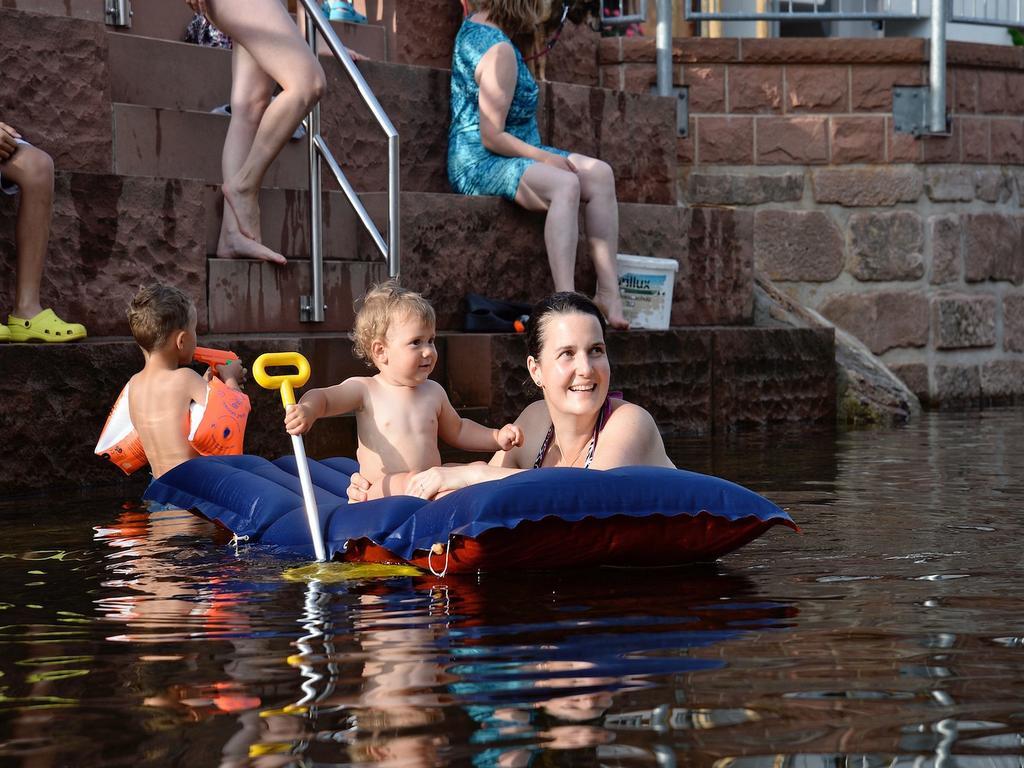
(634, 284)
(646, 298)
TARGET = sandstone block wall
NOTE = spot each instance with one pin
(915, 245)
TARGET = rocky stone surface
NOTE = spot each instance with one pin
(634, 133)
(975, 139)
(823, 88)
(714, 284)
(706, 84)
(110, 235)
(915, 376)
(886, 246)
(792, 140)
(882, 320)
(867, 186)
(797, 245)
(58, 95)
(947, 261)
(963, 320)
(871, 86)
(574, 57)
(418, 33)
(1013, 323)
(743, 189)
(994, 248)
(993, 185)
(957, 385)
(767, 376)
(493, 247)
(755, 89)
(949, 184)
(1002, 381)
(866, 391)
(857, 139)
(725, 140)
(1007, 140)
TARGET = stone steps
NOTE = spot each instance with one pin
(160, 109)
(692, 380)
(112, 233)
(452, 245)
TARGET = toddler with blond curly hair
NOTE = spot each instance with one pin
(400, 412)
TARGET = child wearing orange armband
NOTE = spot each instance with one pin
(167, 413)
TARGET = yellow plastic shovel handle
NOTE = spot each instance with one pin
(287, 383)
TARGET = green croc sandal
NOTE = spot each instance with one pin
(45, 326)
(5, 335)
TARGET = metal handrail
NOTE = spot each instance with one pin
(313, 309)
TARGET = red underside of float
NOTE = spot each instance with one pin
(554, 543)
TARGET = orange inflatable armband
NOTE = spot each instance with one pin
(216, 428)
(119, 442)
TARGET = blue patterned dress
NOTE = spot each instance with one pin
(472, 168)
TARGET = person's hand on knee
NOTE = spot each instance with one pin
(558, 161)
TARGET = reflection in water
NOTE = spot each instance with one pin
(888, 633)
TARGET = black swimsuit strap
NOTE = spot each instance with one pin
(602, 417)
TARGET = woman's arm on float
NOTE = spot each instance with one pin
(629, 438)
(328, 401)
(496, 74)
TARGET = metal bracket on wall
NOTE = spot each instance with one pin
(910, 111)
(682, 111)
(306, 309)
(118, 13)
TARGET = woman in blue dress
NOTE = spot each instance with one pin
(494, 148)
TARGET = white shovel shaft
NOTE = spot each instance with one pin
(312, 516)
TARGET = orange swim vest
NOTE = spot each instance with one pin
(216, 428)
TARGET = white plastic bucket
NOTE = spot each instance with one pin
(645, 285)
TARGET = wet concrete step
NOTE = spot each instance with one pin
(453, 244)
(186, 144)
(692, 380)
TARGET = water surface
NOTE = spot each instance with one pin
(890, 632)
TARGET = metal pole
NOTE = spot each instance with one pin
(663, 43)
(937, 69)
(394, 221)
(316, 214)
(118, 13)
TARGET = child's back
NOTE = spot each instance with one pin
(159, 401)
(160, 396)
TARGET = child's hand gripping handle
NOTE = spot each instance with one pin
(287, 385)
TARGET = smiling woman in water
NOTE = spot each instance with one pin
(577, 424)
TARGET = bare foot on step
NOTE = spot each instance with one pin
(234, 245)
(246, 210)
(610, 303)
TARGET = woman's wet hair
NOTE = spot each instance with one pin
(562, 303)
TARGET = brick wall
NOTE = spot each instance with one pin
(915, 245)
